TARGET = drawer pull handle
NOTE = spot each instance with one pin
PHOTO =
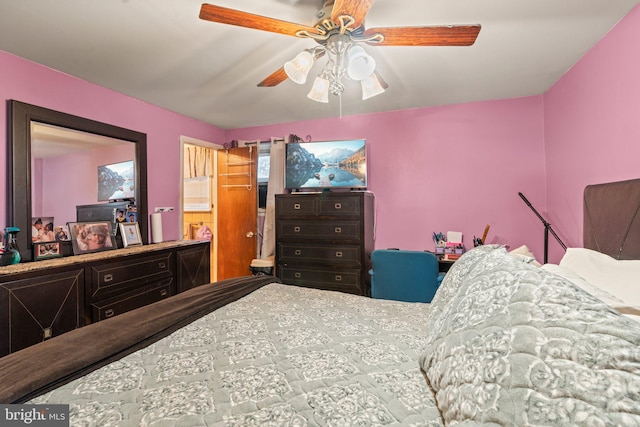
(296, 206)
(338, 278)
(162, 265)
(338, 206)
(163, 293)
(298, 252)
(338, 254)
(109, 313)
(108, 278)
(297, 275)
(296, 229)
(338, 230)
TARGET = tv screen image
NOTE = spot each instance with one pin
(116, 181)
(326, 164)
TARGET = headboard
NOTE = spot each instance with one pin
(612, 218)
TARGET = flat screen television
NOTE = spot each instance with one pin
(116, 181)
(326, 164)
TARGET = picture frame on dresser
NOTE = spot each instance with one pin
(87, 237)
(130, 233)
(46, 250)
(42, 229)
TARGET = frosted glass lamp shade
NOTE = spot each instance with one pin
(320, 90)
(361, 65)
(298, 68)
(371, 87)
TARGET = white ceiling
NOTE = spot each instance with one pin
(53, 141)
(159, 51)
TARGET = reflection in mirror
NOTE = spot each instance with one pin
(53, 166)
(65, 167)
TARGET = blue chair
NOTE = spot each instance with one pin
(403, 275)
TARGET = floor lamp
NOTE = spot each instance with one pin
(547, 229)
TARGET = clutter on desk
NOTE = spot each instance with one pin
(477, 241)
(449, 246)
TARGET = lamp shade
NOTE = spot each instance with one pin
(298, 68)
(371, 87)
(361, 65)
(320, 90)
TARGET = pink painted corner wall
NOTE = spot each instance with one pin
(432, 169)
(592, 125)
(452, 168)
(28, 82)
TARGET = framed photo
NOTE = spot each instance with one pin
(121, 215)
(42, 229)
(89, 237)
(61, 232)
(132, 216)
(45, 250)
(130, 232)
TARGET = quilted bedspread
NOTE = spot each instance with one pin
(281, 356)
(503, 343)
(511, 344)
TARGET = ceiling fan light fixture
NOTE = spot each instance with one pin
(298, 68)
(320, 90)
(361, 65)
(371, 87)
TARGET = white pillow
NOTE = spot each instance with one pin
(602, 295)
(524, 254)
(628, 310)
(620, 278)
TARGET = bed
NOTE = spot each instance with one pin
(503, 343)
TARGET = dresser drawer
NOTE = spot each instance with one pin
(344, 280)
(319, 230)
(319, 253)
(116, 277)
(302, 205)
(132, 300)
(322, 205)
(339, 206)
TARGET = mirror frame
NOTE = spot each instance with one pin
(19, 164)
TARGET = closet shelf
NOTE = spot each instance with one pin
(236, 174)
(248, 186)
(228, 165)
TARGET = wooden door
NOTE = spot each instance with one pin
(237, 211)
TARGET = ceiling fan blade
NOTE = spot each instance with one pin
(443, 35)
(223, 15)
(274, 79)
(356, 9)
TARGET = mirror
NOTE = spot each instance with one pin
(26, 123)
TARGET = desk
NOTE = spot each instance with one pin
(444, 265)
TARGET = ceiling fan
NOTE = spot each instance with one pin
(339, 31)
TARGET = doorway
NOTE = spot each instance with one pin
(198, 201)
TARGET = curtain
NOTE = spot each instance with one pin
(197, 161)
(276, 186)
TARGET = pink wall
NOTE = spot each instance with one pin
(432, 169)
(592, 125)
(34, 84)
(445, 168)
(71, 180)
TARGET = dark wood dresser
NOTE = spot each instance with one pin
(43, 299)
(324, 240)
